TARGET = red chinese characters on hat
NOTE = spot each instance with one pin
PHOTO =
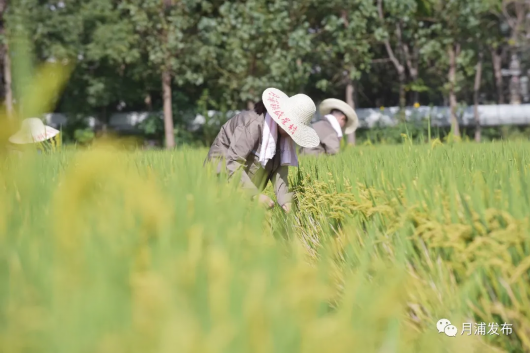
(274, 101)
(284, 120)
(273, 98)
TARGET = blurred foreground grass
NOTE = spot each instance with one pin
(105, 251)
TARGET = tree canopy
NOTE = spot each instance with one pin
(221, 55)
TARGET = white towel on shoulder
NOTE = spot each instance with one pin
(268, 145)
(335, 124)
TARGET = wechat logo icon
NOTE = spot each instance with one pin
(444, 325)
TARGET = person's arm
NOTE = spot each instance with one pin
(281, 185)
(243, 142)
(331, 144)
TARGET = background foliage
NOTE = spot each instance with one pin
(222, 55)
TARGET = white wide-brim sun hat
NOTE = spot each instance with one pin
(33, 130)
(292, 114)
(328, 105)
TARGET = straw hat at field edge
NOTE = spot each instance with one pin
(328, 105)
(33, 130)
(338, 118)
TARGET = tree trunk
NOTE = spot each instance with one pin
(515, 85)
(453, 53)
(402, 94)
(415, 94)
(5, 59)
(415, 97)
(497, 65)
(250, 105)
(515, 97)
(350, 89)
(148, 102)
(168, 113)
(7, 81)
(105, 121)
(397, 64)
(414, 72)
(476, 90)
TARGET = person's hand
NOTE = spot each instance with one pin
(265, 201)
(287, 207)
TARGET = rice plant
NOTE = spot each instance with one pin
(109, 251)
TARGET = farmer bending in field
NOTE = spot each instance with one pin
(260, 143)
(338, 116)
(34, 135)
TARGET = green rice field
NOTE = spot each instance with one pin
(123, 252)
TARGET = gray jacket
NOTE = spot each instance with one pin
(239, 143)
(329, 140)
